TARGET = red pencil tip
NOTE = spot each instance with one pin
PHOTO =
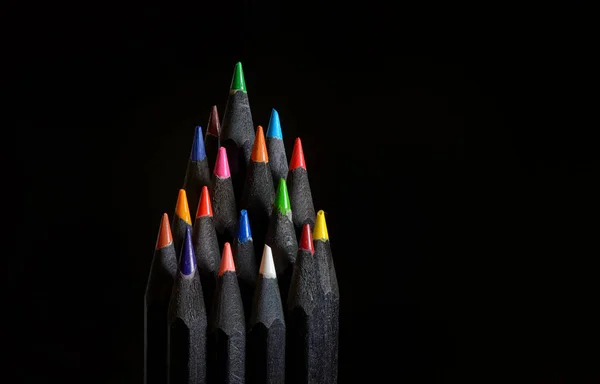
(226, 260)
(204, 206)
(306, 241)
(259, 149)
(164, 233)
(214, 127)
(297, 156)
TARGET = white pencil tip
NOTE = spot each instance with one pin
(267, 268)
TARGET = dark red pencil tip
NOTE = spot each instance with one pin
(204, 206)
(214, 127)
(306, 241)
(164, 233)
(226, 260)
(297, 156)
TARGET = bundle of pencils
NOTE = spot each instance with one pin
(247, 290)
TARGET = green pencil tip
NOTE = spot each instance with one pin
(238, 83)
(282, 199)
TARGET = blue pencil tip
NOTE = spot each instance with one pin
(198, 151)
(187, 257)
(274, 129)
(244, 233)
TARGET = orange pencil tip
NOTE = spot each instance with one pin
(164, 233)
(226, 260)
(182, 208)
(204, 205)
(259, 149)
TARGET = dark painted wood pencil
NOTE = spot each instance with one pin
(212, 137)
(181, 220)
(227, 328)
(245, 262)
(206, 247)
(329, 284)
(277, 157)
(299, 187)
(197, 174)
(156, 305)
(305, 350)
(266, 335)
(223, 200)
(281, 237)
(237, 131)
(187, 322)
(259, 193)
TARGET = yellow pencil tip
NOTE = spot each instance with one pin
(320, 229)
(182, 209)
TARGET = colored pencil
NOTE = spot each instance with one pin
(277, 157)
(266, 335)
(329, 284)
(281, 237)
(245, 262)
(197, 174)
(156, 305)
(227, 328)
(237, 132)
(212, 137)
(258, 194)
(300, 194)
(305, 350)
(206, 247)
(223, 199)
(181, 220)
(187, 321)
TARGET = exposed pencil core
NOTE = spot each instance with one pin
(214, 126)
(238, 83)
(204, 206)
(226, 260)
(244, 233)
(274, 128)
(165, 237)
(320, 230)
(306, 241)
(222, 164)
(198, 150)
(267, 267)
(259, 149)
(282, 198)
(187, 258)
(297, 155)
(182, 209)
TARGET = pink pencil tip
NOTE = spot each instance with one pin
(222, 164)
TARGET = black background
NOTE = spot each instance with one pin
(457, 262)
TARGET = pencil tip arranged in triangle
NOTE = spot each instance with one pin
(222, 164)
(274, 128)
(182, 209)
(198, 151)
(204, 206)
(297, 156)
(165, 237)
(320, 230)
(267, 267)
(187, 257)
(238, 83)
(282, 198)
(226, 260)
(259, 149)
(214, 126)
(306, 241)
(244, 233)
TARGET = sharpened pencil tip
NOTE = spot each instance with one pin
(204, 206)
(274, 128)
(238, 83)
(320, 230)
(222, 164)
(259, 149)
(297, 156)
(187, 257)
(164, 233)
(267, 267)
(226, 260)
(306, 241)
(214, 126)
(198, 151)
(182, 209)
(282, 198)
(244, 233)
